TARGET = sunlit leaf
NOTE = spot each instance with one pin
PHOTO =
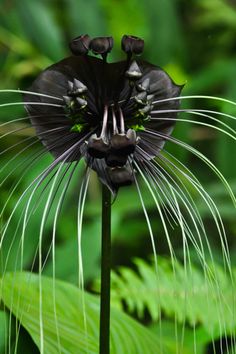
(62, 318)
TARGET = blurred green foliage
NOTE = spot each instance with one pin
(194, 41)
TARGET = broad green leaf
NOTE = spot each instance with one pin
(46, 33)
(182, 339)
(4, 320)
(62, 319)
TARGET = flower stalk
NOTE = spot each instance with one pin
(104, 343)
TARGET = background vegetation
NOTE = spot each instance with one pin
(194, 41)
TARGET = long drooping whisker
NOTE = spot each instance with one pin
(54, 195)
(66, 156)
(57, 212)
(40, 178)
(147, 219)
(200, 122)
(30, 93)
(195, 111)
(214, 211)
(182, 188)
(184, 230)
(15, 157)
(41, 325)
(15, 120)
(162, 190)
(192, 239)
(72, 156)
(222, 237)
(22, 237)
(71, 153)
(21, 151)
(57, 143)
(160, 182)
(225, 251)
(208, 278)
(14, 187)
(190, 210)
(200, 156)
(153, 248)
(31, 104)
(159, 211)
(29, 117)
(152, 186)
(16, 130)
(61, 128)
(179, 98)
(81, 204)
(215, 98)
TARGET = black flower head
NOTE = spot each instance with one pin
(103, 112)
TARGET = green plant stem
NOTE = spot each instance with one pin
(105, 273)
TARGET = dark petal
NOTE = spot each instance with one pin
(160, 83)
(80, 45)
(162, 87)
(98, 77)
(55, 83)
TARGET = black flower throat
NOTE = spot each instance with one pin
(101, 111)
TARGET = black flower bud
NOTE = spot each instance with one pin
(80, 45)
(97, 147)
(116, 160)
(121, 176)
(124, 144)
(101, 45)
(132, 44)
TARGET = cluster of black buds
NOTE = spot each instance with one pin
(99, 45)
(103, 45)
(75, 104)
(109, 111)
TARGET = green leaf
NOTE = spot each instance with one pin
(4, 322)
(184, 295)
(46, 34)
(181, 339)
(64, 329)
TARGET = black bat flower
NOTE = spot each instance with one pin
(106, 109)
(117, 117)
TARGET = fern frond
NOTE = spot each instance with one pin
(184, 295)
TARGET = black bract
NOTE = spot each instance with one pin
(105, 111)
